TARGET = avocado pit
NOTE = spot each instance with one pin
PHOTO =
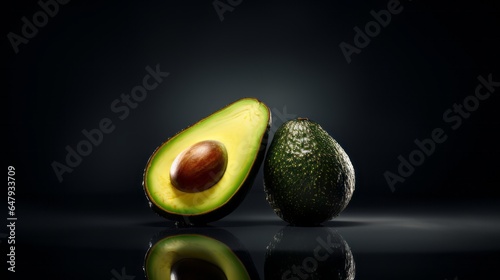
(199, 167)
(196, 269)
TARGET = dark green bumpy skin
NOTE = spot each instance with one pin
(308, 177)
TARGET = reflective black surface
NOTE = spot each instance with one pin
(434, 66)
(435, 242)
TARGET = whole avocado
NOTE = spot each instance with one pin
(308, 177)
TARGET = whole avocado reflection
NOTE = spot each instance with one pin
(197, 254)
(297, 253)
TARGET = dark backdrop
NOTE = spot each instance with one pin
(287, 54)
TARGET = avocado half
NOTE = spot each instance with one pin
(242, 129)
(309, 253)
(190, 253)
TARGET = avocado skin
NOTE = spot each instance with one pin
(309, 253)
(308, 177)
(218, 234)
(233, 202)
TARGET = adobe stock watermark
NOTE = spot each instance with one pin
(121, 276)
(121, 107)
(321, 253)
(362, 37)
(221, 7)
(453, 117)
(29, 29)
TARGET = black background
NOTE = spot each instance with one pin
(285, 53)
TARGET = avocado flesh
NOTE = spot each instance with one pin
(242, 127)
(308, 177)
(165, 257)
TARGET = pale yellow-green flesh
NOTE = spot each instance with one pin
(240, 127)
(164, 254)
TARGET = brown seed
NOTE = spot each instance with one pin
(194, 269)
(199, 167)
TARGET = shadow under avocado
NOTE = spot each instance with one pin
(308, 253)
(341, 224)
(221, 223)
(194, 253)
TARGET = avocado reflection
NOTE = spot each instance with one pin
(198, 253)
(308, 253)
(196, 269)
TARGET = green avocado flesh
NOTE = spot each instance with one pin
(241, 129)
(192, 256)
(308, 177)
